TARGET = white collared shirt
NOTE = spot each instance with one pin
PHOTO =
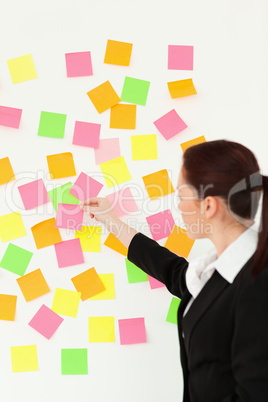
(228, 265)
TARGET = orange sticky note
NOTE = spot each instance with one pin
(123, 116)
(178, 242)
(33, 285)
(45, 233)
(195, 141)
(6, 171)
(61, 165)
(118, 53)
(158, 184)
(88, 283)
(181, 88)
(8, 307)
(113, 242)
(103, 97)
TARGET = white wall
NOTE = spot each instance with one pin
(230, 75)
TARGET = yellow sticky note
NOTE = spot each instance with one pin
(90, 238)
(61, 165)
(144, 147)
(11, 226)
(118, 53)
(24, 358)
(22, 68)
(123, 116)
(158, 184)
(109, 293)
(66, 302)
(8, 307)
(181, 88)
(178, 242)
(115, 171)
(101, 329)
(115, 244)
(195, 141)
(6, 171)
(103, 97)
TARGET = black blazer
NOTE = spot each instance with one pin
(224, 352)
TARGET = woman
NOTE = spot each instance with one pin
(223, 315)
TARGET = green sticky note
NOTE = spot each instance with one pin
(61, 195)
(172, 315)
(16, 259)
(134, 273)
(52, 125)
(135, 91)
(74, 361)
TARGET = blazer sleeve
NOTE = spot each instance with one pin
(159, 262)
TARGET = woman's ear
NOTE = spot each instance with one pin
(210, 206)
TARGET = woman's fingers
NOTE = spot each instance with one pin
(92, 201)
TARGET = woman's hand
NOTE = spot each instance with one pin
(101, 209)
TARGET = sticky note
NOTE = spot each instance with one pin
(52, 125)
(109, 292)
(123, 116)
(144, 147)
(24, 358)
(45, 321)
(10, 116)
(160, 224)
(6, 171)
(22, 69)
(33, 285)
(61, 165)
(180, 57)
(115, 171)
(86, 134)
(134, 273)
(62, 195)
(170, 124)
(90, 238)
(181, 88)
(11, 226)
(103, 97)
(135, 91)
(69, 216)
(8, 307)
(108, 149)
(66, 302)
(132, 330)
(74, 361)
(158, 184)
(178, 242)
(172, 315)
(154, 283)
(195, 141)
(69, 252)
(78, 64)
(88, 283)
(118, 53)
(45, 233)
(85, 187)
(33, 194)
(115, 244)
(122, 201)
(16, 259)
(101, 329)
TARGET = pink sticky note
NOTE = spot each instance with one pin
(10, 117)
(69, 252)
(161, 224)
(33, 194)
(132, 330)
(180, 57)
(86, 134)
(85, 187)
(45, 321)
(170, 124)
(122, 201)
(154, 283)
(108, 149)
(78, 64)
(69, 216)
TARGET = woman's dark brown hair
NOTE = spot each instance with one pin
(230, 170)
